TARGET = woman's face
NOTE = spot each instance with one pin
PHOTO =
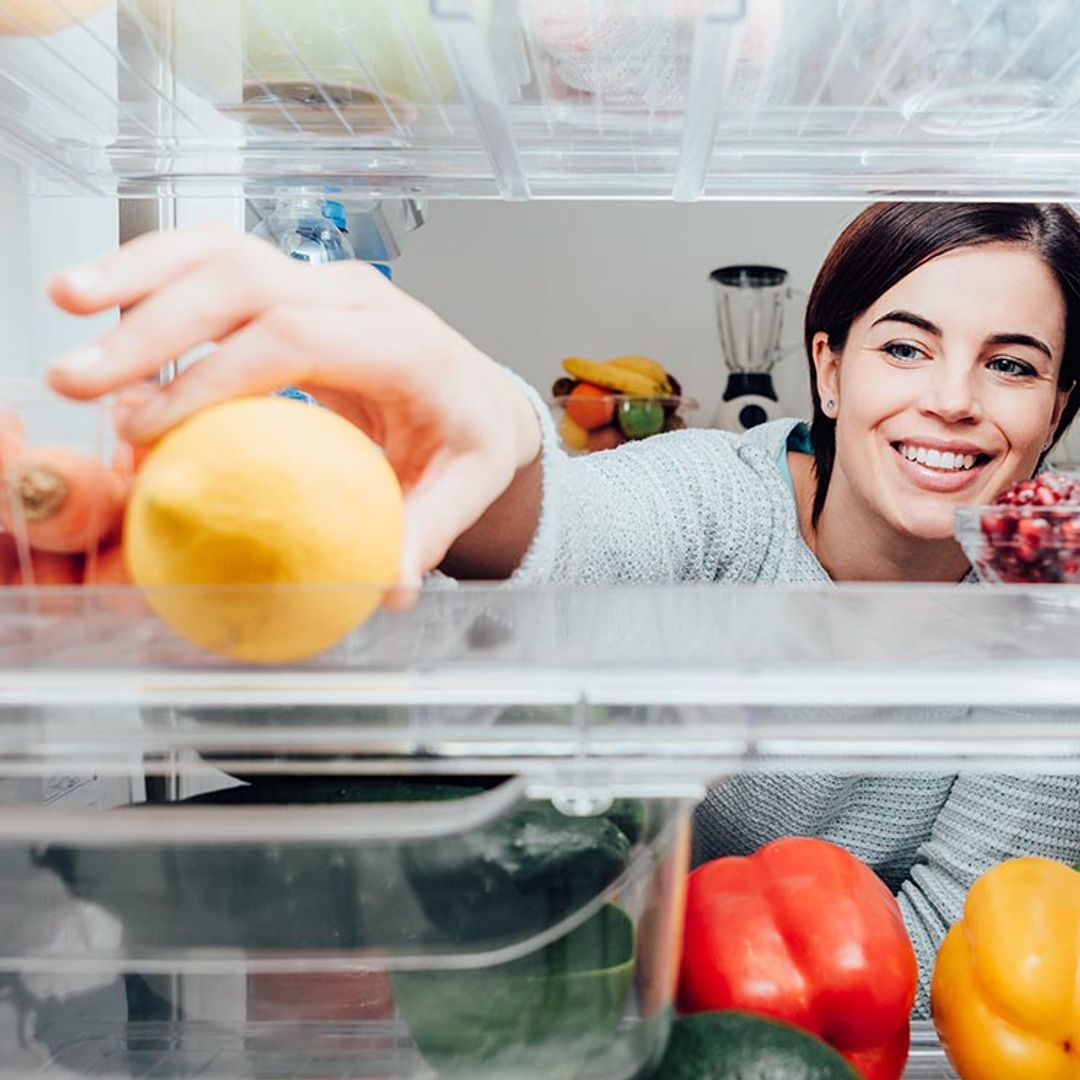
(946, 391)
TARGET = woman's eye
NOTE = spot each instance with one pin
(902, 350)
(1008, 366)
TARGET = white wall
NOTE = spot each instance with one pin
(65, 231)
(39, 236)
(531, 283)
(14, 285)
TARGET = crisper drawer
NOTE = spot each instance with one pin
(338, 926)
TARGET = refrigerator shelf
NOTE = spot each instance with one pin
(368, 1051)
(642, 685)
(518, 99)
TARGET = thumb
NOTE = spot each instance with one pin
(406, 590)
(447, 501)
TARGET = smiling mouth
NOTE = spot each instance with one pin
(943, 461)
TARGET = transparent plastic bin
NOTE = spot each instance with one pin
(403, 925)
(548, 98)
(967, 68)
(360, 67)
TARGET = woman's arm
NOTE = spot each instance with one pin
(488, 493)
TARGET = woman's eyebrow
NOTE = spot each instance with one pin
(911, 319)
(994, 339)
(1021, 339)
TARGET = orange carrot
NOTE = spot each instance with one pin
(67, 501)
(48, 570)
(12, 434)
(107, 567)
(51, 568)
(9, 558)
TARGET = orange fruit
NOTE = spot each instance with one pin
(590, 406)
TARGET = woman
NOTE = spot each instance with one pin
(944, 348)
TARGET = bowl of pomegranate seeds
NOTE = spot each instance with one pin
(1030, 535)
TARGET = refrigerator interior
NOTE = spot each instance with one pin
(550, 127)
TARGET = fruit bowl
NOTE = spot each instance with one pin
(1030, 536)
(619, 418)
(599, 405)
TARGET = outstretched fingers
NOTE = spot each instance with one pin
(286, 346)
(182, 290)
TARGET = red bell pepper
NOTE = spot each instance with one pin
(802, 931)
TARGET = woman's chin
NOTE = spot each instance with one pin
(929, 524)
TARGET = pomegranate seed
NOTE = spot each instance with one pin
(997, 525)
(1035, 530)
(1070, 531)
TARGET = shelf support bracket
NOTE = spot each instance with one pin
(470, 60)
(717, 37)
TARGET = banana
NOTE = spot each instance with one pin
(574, 436)
(643, 365)
(610, 377)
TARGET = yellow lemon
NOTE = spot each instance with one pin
(289, 512)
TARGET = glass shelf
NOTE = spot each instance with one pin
(515, 99)
(365, 1051)
(648, 685)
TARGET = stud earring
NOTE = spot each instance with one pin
(830, 406)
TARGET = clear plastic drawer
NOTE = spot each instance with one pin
(353, 926)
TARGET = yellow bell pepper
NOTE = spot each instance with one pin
(1006, 986)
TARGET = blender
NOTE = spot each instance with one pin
(750, 317)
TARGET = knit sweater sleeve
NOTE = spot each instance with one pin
(985, 820)
(690, 505)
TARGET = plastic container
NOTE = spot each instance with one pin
(400, 925)
(619, 418)
(1029, 545)
(549, 98)
(344, 67)
(962, 68)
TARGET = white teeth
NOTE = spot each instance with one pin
(944, 460)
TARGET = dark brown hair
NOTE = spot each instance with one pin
(887, 241)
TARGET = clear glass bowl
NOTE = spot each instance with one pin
(1029, 545)
(605, 422)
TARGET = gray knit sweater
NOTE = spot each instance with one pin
(711, 506)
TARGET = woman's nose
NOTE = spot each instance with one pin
(952, 394)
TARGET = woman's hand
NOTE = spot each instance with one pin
(455, 429)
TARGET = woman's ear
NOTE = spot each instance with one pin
(827, 373)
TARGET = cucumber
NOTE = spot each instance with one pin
(540, 1017)
(511, 878)
(741, 1046)
(630, 817)
(516, 876)
(330, 790)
